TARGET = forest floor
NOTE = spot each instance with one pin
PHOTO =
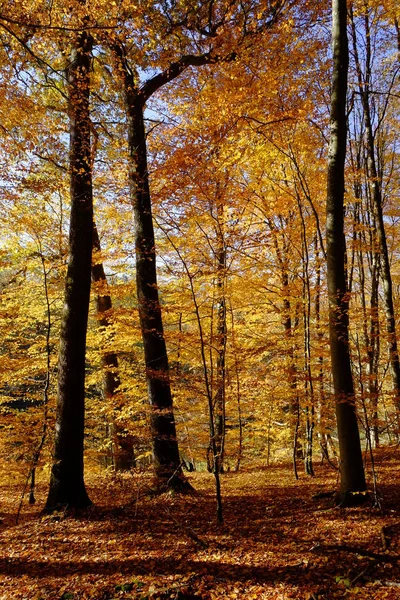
(277, 541)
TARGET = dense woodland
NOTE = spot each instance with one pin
(200, 276)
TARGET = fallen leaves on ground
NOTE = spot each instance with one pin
(277, 541)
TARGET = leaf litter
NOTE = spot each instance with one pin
(280, 539)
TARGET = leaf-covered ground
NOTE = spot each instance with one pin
(277, 541)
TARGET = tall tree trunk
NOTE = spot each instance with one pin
(219, 398)
(351, 464)
(165, 445)
(308, 379)
(371, 320)
(364, 84)
(122, 453)
(321, 404)
(67, 488)
(373, 355)
(371, 333)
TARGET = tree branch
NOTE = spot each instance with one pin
(176, 68)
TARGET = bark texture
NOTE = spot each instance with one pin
(67, 488)
(165, 445)
(351, 464)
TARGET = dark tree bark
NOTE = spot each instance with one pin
(351, 464)
(67, 488)
(122, 452)
(165, 445)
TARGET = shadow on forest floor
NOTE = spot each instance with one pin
(277, 541)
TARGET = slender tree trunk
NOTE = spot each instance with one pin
(375, 183)
(321, 406)
(67, 487)
(309, 384)
(294, 401)
(122, 453)
(219, 399)
(373, 356)
(213, 449)
(373, 349)
(165, 445)
(351, 464)
(308, 380)
(370, 335)
(371, 332)
(238, 393)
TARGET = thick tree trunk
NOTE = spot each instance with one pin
(165, 445)
(67, 487)
(122, 453)
(351, 464)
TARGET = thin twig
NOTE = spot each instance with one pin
(37, 453)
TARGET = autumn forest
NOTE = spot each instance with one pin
(200, 299)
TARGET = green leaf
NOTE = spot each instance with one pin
(343, 581)
(124, 587)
